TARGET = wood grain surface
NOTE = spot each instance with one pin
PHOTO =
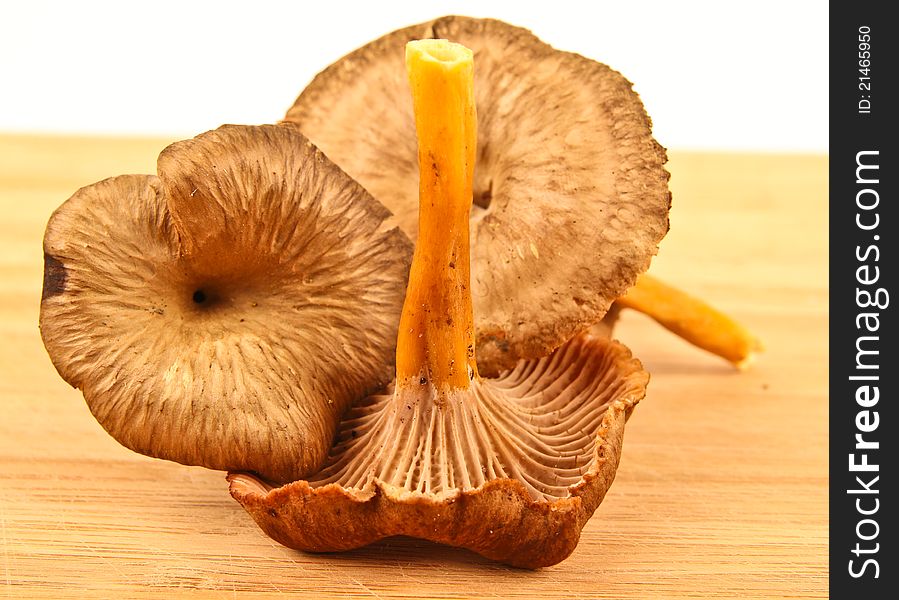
(721, 493)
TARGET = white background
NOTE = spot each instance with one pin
(713, 75)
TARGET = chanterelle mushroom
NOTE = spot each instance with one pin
(511, 468)
(226, 312)
(570, 193)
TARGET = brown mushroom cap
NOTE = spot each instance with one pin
(571, 196)
(513, 471)
(226, 312)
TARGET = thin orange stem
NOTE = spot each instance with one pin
(692, 319)
(436, 334)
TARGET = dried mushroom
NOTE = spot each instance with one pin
(226, 312)
(512, 467)
(570, 193)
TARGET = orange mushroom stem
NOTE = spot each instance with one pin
(693, 320)
(436, 335)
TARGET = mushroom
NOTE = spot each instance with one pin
(570, 193)
(226, 312)
(511, 467)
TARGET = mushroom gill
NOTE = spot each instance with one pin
(534, 423)
(511, 467)
(226, 312)
(570, 192)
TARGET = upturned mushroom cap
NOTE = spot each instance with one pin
(570, 193)
(226, 312)
(512, 472)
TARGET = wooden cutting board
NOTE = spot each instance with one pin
(721, 493)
